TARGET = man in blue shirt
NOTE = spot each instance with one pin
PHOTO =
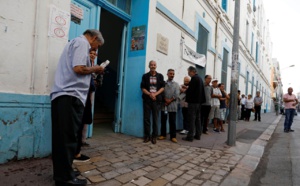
(68, 97)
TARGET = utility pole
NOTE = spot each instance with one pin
(234, 77)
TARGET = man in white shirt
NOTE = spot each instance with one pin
(215, 104)
(243, 103)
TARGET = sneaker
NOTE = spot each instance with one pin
(161, 138)
(216, 130)
(82, 158)
(183, 132)
(174, 140)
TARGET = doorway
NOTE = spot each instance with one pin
(107, 94)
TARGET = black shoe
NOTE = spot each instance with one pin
(146, 139)
(85, 144)
(187, 139)
(291, 130)
(77, 173)
(216, 130)
(75, 181)
(259, 120)
(82, 158)
(153, 140)
(286, 131)
(197, 137)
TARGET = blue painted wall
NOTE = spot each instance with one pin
(25, 126)
(132, 107)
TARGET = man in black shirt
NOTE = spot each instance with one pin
(152, 86)
(195, 96)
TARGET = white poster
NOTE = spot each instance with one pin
(59, 23)
(192, 56)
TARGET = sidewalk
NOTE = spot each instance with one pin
(117, 159)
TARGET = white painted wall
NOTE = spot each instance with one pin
(23, 35)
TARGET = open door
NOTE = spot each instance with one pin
(118, 108)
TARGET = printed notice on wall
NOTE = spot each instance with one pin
(59, 23)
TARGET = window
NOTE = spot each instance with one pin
(252, 38)
(224, 5)
(247, 33)
(239, 72)
(202, 48)
(224, 67)
(257, 53)
(124, 5)
(247, 80)
(252, 86)
(254, 8)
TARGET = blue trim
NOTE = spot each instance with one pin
(224, 5)
(179, 22)
(224, 45)
(200, 20)
(175, 19)
(113, 9)
(25, 126)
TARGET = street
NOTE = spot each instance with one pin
(280, 163)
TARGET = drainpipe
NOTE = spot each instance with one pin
(34, 46)
(216, 44)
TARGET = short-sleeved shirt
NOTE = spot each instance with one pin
(289, 105)
(249, 103)
(257, 100)
(216, 101)
(67, 81)
(208, 92)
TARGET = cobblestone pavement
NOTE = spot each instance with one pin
(118, 159)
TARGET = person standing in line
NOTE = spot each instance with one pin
(68, 98)
(243, 109)
(194, 97)
(222, 105)
(87, 117)
(215, 105)
(239, 105)
(249, 107)
(152, 86)
(290, 102)
(257, 106)
(184, 104)
(205, 108)
(169, 107)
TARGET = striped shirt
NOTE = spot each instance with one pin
(172, 90)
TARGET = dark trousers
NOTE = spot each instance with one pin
(185, 118)
(289, 117)
(257, 112)
(194, 120)
(243, 115)
(87, 118)
(151, 107)
(248, 113)
(205, 109)
(66, 114)
(172, 124)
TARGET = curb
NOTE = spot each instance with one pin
(241, 174)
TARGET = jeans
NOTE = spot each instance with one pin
(257, 112)
(289, 116)
(194, 120)
(172, 124)
(151, 107)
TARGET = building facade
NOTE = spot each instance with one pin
(173, 33)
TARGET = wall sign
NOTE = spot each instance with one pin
(59, 23)
(138, 38)
(192, 56)
(162, 44)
